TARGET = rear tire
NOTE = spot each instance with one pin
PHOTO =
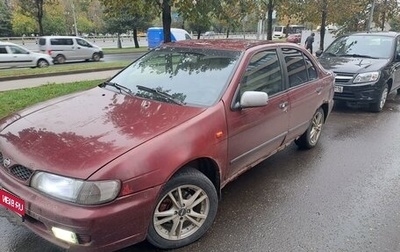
(185, 210)
(60, 59)
(310, 138)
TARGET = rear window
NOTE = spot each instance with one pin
(42, 41)
(61, 41)
(3, 50)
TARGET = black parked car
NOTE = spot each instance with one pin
(367, 67)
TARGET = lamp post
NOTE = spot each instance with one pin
(74, 16)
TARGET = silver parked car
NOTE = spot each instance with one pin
(13, 55)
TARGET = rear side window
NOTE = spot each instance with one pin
(296, 66)
(61, 41)
(3, 50)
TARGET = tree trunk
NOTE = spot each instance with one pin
(269, 21)
(227, 33)
(39, 6)
(383, 15)
(166, 19)
(323, 24)
(135, 39)
(119, 44)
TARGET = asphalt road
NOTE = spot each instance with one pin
(340, 196)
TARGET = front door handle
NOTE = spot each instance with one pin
(283, 105)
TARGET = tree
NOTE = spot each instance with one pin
(34, 9)
(232, 12)
(23, 25)
(129, 14)
(198, 13)
(5, 20)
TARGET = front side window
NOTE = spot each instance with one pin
(296, 66)
(263, 74)
(191, 76)
(82, 42)
(17, 50)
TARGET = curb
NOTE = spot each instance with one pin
(10, 78)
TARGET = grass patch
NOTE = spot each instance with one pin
(65, 68)
(14, 100)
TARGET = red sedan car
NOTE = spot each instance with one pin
(294, 38)
(146, 154)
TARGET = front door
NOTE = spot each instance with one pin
(84, 49)
(21, 57)
(255, 133)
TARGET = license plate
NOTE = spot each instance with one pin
(338, 89)
(12, 202)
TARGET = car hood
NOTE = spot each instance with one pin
(352, 64)
(76, 135)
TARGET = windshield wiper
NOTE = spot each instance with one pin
(357, 56)
(164, 95)
(119, 87)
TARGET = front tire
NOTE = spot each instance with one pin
(42, 63)
(310, 138)
(185, 210)
(378, 105)
(96, 57)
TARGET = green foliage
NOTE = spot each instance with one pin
(23, 25)
(5, 20)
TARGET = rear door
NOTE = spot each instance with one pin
(255, 133)
(304, 90)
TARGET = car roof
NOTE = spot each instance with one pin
(221, 44)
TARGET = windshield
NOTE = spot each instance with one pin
(188, 76)
(374, 46)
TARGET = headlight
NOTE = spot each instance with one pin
(366, 77)
(76, 190)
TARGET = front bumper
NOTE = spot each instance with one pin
(109, 227)
(361, 93)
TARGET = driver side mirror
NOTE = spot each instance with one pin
(318, 53)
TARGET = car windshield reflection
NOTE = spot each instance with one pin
(365, 46)
(194, 77)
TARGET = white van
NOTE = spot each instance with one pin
(63, 48)
(279, 32)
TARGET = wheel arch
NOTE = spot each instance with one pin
(390, 83)
(208, 167)
(325, 108)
